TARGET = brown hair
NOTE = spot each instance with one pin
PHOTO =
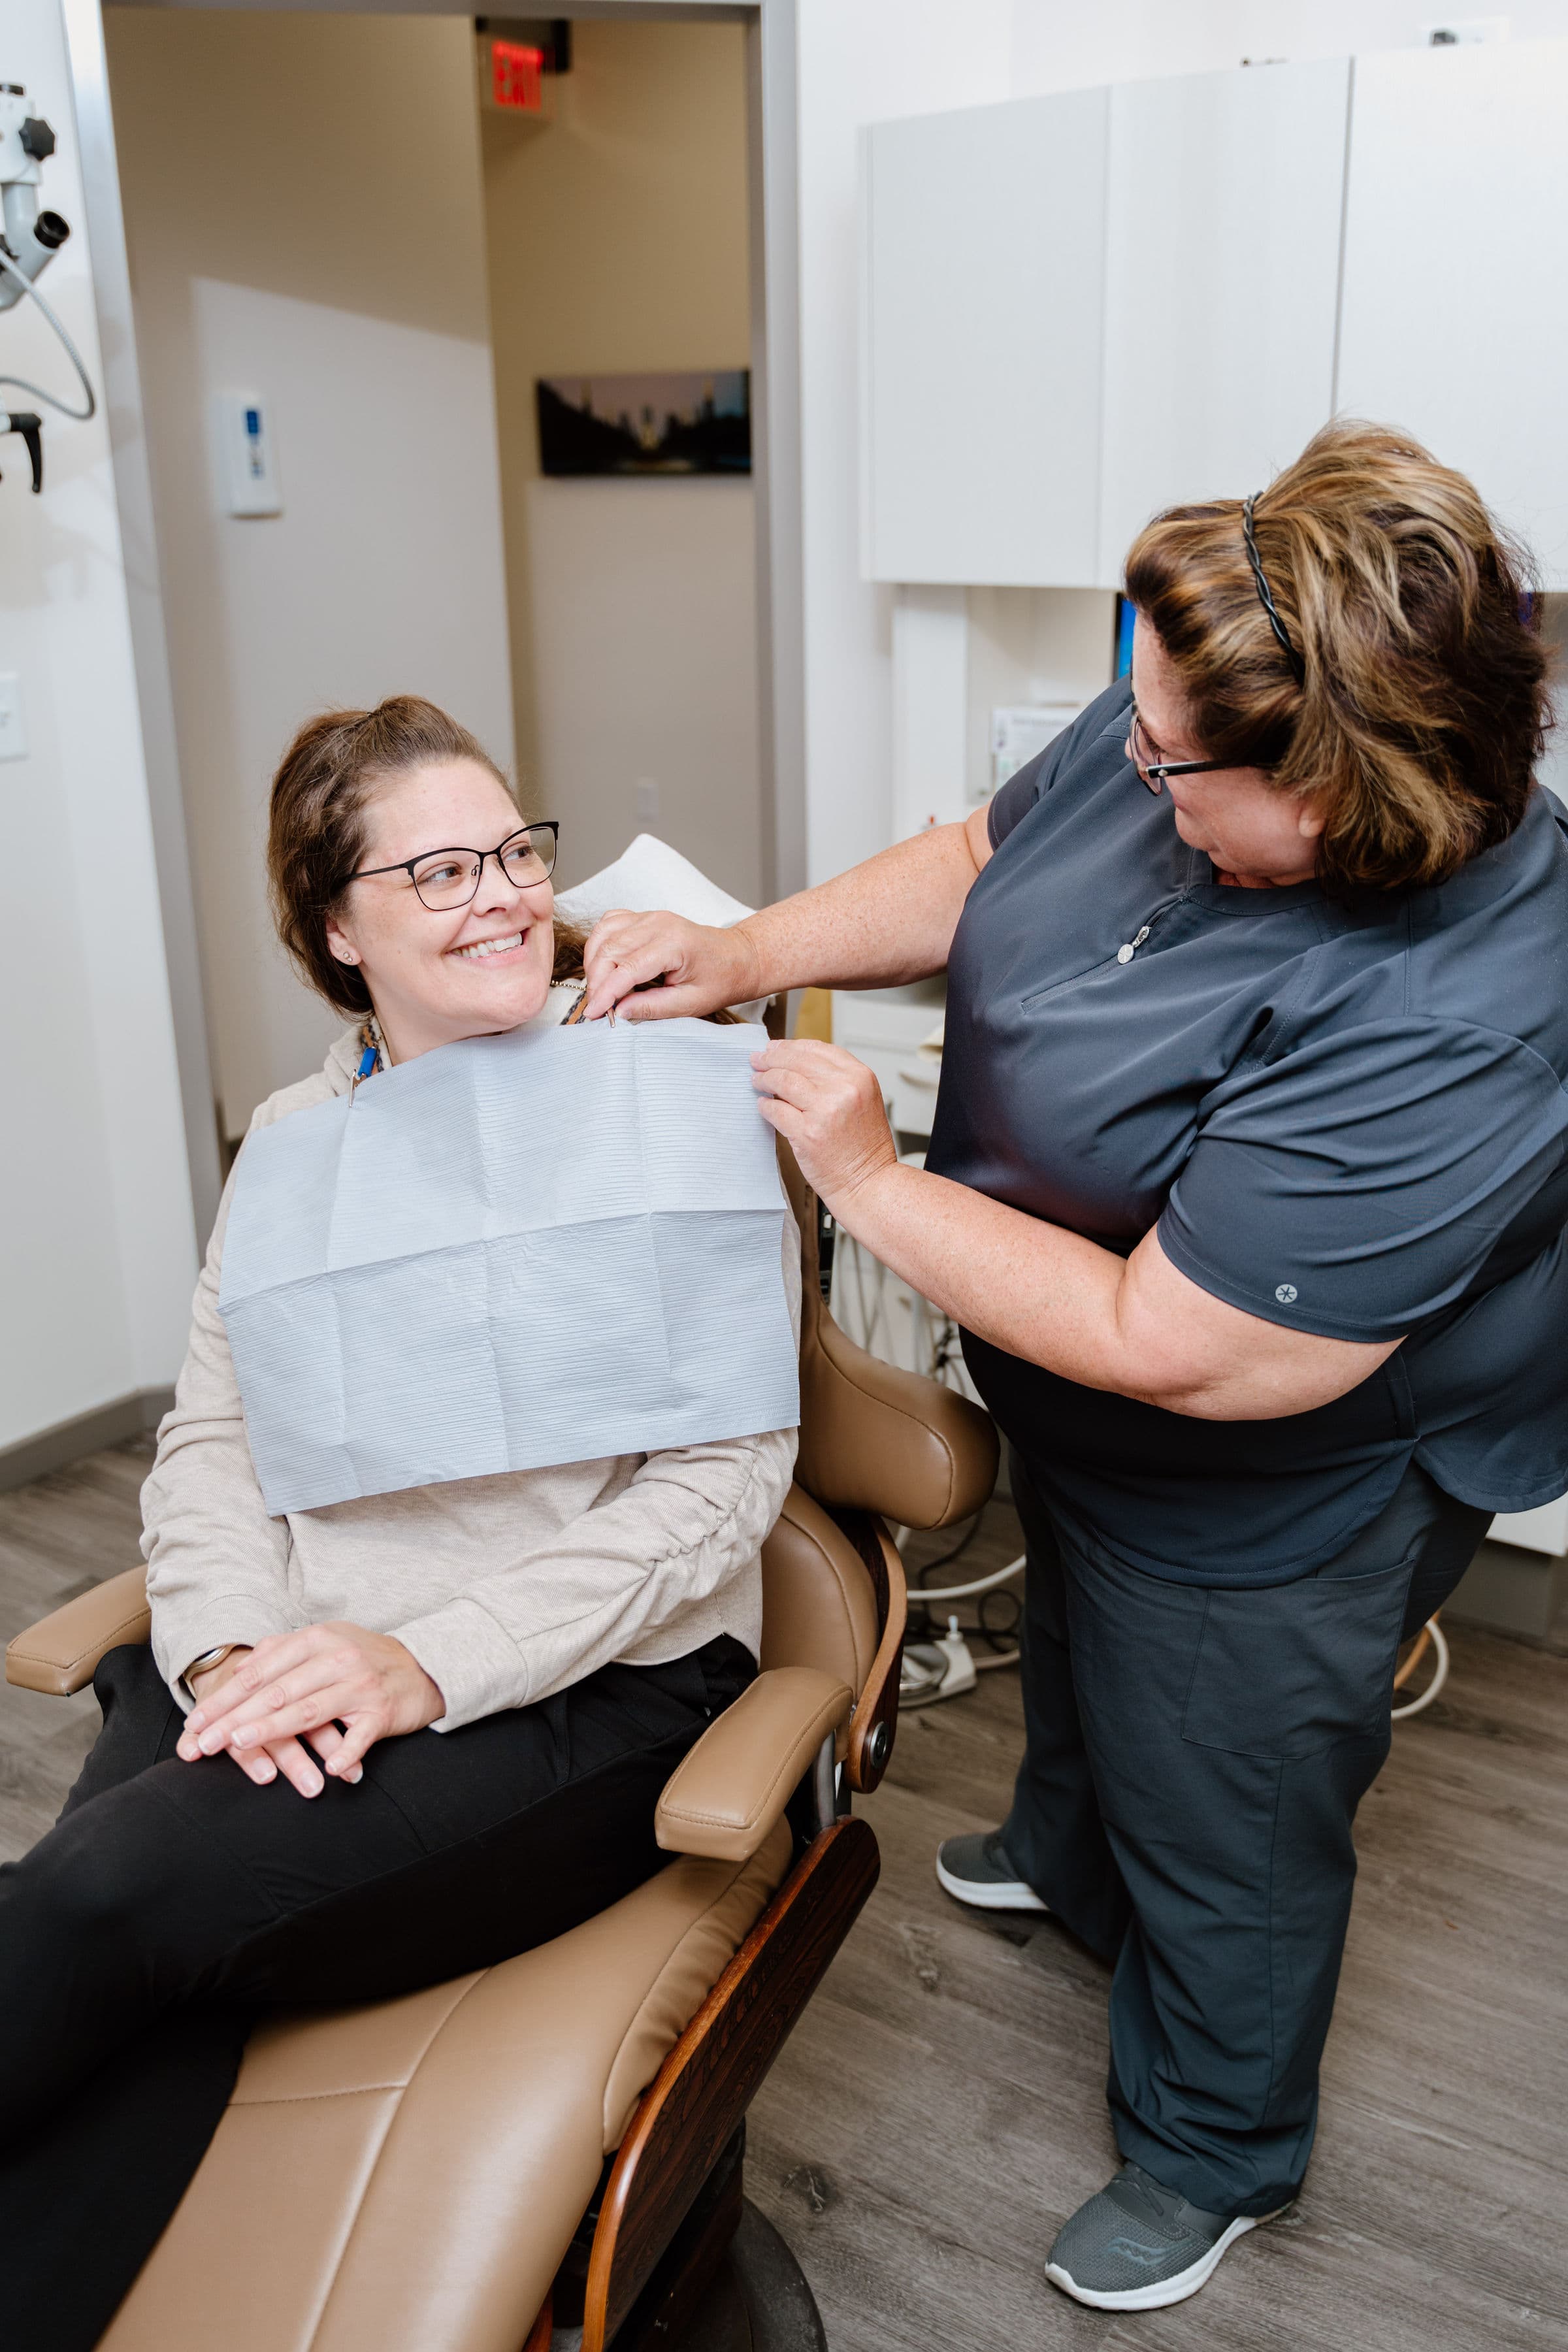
(1423, 703)
(316, 831)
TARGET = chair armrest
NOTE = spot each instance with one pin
(60, 1653)
(727, 1792)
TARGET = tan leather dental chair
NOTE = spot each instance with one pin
(558, 2140)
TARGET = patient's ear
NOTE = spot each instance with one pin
(339, 942)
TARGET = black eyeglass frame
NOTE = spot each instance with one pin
(1152, 772)
(550, 824)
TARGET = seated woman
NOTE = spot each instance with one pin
(427, 1729)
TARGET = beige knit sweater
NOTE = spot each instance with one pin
(505, 1589)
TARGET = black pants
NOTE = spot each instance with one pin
(1195, 1760)
(173, 1902)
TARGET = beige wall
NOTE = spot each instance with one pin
(617, 239)
(304, 215)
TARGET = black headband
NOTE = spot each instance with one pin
(1275, 622)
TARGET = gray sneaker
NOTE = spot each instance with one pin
(976, 1870)
(1136, 2246)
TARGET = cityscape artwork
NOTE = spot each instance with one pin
(694, 423)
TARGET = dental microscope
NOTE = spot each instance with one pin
(31, 237)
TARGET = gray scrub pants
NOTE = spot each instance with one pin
(1195, 1760)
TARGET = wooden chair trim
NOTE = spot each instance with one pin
(877, 1709)
(705, 2086)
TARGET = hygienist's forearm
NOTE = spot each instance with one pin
(1136, 1326)
(880, 924)
(1034, 1289)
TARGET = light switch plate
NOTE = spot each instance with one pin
(247, 457)
(13, 719)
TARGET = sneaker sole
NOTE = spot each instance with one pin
(999, 1895)
(1164, 2291)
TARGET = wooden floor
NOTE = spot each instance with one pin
(939, 2110)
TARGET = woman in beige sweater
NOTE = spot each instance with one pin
(384, 1742)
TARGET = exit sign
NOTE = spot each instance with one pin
(517, 76)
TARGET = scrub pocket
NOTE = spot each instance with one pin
(1290, 1670)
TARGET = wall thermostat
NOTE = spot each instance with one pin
(248, 457)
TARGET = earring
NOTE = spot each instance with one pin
(345, 955)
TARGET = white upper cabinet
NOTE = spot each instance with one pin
(1080, 308)
(1221, 276)
(983, 277)
(1454, 323)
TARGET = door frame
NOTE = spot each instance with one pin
(775, 251)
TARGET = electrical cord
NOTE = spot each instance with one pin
(1434, 1631)
(77, 416)
(965, 1591)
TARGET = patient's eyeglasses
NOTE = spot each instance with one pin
(1145, 754)
(450, 878)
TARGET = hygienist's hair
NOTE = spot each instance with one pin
(316, 833)
(1425, 703)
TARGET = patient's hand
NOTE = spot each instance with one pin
(262, 1764)
(295, 1686)
(702, 969)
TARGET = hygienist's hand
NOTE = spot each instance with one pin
(302, 1685)
(702, 969)
(263, 1764)
(828, 1108)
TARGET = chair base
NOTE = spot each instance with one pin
(757, 2300)
(726, 2282)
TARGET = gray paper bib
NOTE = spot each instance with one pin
(548, 1246)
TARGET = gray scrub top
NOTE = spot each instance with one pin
(1345, 1118)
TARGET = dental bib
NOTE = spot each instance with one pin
(552, 1245)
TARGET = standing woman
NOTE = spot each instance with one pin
(1248, 1187)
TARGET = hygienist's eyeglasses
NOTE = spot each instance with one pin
(450, 878)
(1145, 754)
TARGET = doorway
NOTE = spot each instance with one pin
(343, 228)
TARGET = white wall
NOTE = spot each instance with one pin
(97, 1238)
(870, 61)
(645, 663)
(352, 294)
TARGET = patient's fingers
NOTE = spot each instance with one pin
(267, 1660)
(328, 1741)
(262, 1765)
(310, 1694)
(287, 1720)
(298, 1769)
(361, 1733)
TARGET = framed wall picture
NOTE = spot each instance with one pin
(698, 422)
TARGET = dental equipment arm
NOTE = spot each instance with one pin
(29, 240)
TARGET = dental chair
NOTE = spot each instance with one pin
(557, 2142)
